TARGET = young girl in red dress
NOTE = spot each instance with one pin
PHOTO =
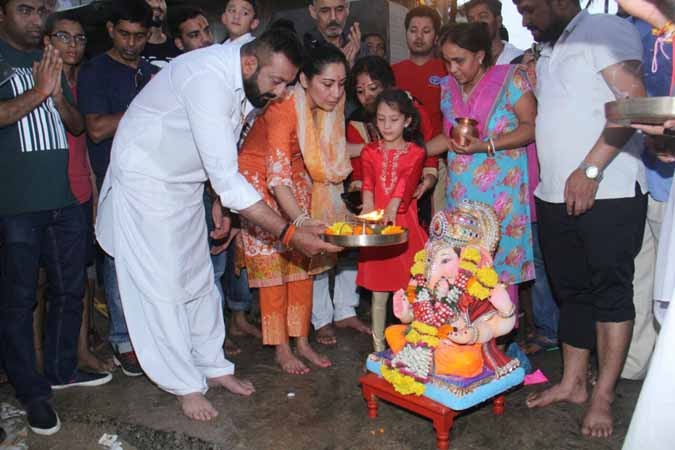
(392, 168)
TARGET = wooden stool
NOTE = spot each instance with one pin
(375, 387)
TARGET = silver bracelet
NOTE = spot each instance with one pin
(301, 219)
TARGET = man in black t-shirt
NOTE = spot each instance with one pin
(39, 217)
(159, 50)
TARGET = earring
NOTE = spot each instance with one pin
(480, 61)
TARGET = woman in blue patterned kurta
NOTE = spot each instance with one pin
(500, 99)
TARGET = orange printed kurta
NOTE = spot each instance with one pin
(271, 157)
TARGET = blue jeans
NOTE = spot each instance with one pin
(118, 334)
(544, 307)
(55, 239)
(237, 293)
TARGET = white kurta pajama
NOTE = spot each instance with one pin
(179, 131)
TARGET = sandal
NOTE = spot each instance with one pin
(538, 344)
(326, 335)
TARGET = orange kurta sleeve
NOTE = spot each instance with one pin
(281, 129)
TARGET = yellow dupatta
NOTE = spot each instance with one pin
(322, 141)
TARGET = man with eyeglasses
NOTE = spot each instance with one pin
(107, 85)
(40, 218)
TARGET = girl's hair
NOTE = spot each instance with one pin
(376, 68)
(473, 37)
(320, 57)
(401, 101)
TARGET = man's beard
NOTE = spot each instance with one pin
(553, 32)
(253, 94)
(334, 29)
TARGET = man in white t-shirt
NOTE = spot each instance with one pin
(590, 203)
(490, 13)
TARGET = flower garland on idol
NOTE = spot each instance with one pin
(411, 367)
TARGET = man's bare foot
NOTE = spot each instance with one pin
(355, 323)
(239, 326)
(197, 407)
(598, 422)
(233, 384)
(306, 351)
(87, 359)
(326, 335)
(289, 362)
(231, 349)
(558, 393)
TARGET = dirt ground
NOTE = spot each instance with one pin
(326, 412)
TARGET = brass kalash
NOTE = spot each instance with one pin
(366, 230)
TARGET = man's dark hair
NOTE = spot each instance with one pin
(283, 24)
(53, 19)
(250, 2)
(276, 40)
(377, 69)
(424, 11)
(372, 34)
(135, 11)
(179, 15)
(3, 3)
(495, 6)
(321, 56)
(503, 33)
(473, 37)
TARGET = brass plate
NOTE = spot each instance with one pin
(647, 110)
(367, 240)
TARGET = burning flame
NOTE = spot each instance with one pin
(373, 216)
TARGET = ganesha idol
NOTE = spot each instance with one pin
(452, 311)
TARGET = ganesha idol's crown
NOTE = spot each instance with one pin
(469, 223)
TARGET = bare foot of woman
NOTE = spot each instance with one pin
(239, 326)
(306, 351)
(326, 335)
(87, 359)
(574, 393)
(355, 323)
(233, 384)
(598, 422)
(288, 361)
(197, 407)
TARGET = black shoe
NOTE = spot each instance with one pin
(3, 435)
(128, 363)
(42, 418)
(86, 379)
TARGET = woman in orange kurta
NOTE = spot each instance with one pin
(284, 142)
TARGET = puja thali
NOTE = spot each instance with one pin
(366, 230)
(644, 110)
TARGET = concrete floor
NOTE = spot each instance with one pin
(327, 413)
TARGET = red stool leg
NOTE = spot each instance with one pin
(371, 401)
(498, 405)
(443, 425)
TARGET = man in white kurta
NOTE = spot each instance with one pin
(179, 131)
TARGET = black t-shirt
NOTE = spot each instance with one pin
(33, 150)
(160, 55)
(106, 86)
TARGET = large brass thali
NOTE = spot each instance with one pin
(367, 240)
(645, 110)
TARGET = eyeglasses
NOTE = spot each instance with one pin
(68, 39)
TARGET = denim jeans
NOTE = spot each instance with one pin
(118, 334)
(55, 239)
(237, 292)
(544, 307)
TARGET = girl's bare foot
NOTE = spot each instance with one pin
(89, 360)
(197, 407)
(326, 335)
(231, 349)
(233, 384)
(306, 351)
(239, 326)
(576, 393)
(288, 361)
(355, 323)
(598, 422)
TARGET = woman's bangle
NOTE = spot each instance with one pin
(283, 231)
(301, 219)
(509, 314)
(286, 240)
(493, 148)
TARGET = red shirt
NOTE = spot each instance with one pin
(78, 164)
(424, 83)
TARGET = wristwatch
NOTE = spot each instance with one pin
(591, 171)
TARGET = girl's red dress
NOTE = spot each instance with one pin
(392, 174)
